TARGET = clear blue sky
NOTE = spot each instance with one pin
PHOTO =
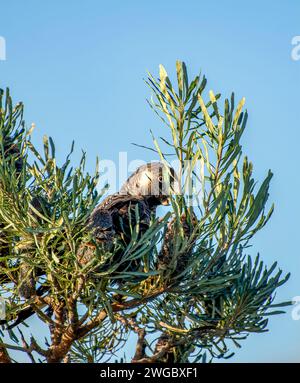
(79, 66)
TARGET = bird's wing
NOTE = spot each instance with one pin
(117, 201)
(117, 206)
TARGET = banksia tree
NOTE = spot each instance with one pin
(196, 292)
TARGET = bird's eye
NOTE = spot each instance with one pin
(160, 178)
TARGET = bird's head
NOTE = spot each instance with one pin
(155, 181)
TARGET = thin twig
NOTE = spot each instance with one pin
(27, 349)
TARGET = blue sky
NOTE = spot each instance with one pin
(79, 68)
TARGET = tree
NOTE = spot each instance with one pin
(196, 290)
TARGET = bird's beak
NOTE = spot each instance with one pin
(165, 201)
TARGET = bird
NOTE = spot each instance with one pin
(148, 187)
(179, 252)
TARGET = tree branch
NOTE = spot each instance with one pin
(116, 307)
(4, 357)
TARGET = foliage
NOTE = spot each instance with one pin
(196, 289)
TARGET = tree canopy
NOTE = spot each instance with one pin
(196, 293)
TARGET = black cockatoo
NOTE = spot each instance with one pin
(148, 187)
